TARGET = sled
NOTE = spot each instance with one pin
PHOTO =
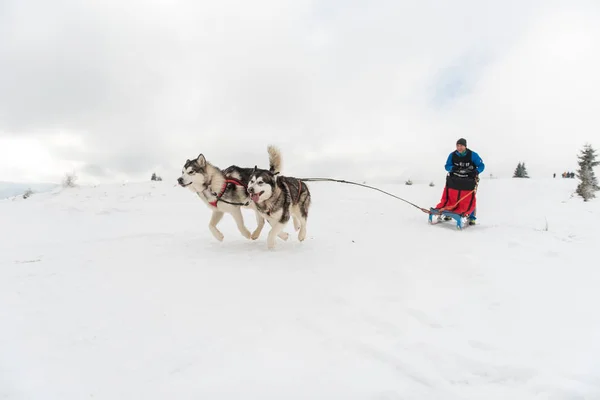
(461, 221)
(458, 201)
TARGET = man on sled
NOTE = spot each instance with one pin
(458, 200)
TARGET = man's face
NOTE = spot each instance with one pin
(461, 148)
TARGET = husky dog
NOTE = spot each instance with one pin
(224, 191)
(278, 197)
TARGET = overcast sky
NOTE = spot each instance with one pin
(117, 89)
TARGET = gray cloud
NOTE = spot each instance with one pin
(342, 88)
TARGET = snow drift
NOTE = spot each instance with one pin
(121, 292)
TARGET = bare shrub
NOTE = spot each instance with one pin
(69, 180)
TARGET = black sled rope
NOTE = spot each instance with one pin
(363, 185)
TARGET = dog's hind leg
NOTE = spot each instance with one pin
(303, 215)
(260, 223)
(212, 225)
(239, 220)
(302, 233)
(299, 218)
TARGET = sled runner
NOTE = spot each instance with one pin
(461, 220)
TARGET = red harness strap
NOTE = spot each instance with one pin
(223, 188)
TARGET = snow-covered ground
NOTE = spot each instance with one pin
(10, 189)
(121, 292)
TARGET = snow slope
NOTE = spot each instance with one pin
(121, 292)
(9, 189)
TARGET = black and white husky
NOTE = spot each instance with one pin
(223, 191)
(277, 198)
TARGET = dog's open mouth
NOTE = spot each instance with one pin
(185, 184)
(256, 196)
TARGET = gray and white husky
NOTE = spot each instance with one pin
(223, 191)
(277, 198)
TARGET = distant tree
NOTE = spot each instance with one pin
(525, 174)
(408, 182)
(588, 184)
(520, 171)
(155, 177)
(431, 184)
(27, 193)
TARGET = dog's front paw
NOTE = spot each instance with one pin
(246, 233)
(216, 233)
(255, 234)
(284, 236)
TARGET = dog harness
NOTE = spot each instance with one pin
(223, 189)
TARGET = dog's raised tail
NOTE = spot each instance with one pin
(274, 159)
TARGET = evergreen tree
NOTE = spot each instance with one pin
(520, 171)
(153, 178)
(588, 182)
(525, 174)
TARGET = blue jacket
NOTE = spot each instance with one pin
(474, 156)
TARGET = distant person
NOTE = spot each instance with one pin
(463, 166)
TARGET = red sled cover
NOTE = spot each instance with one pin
(458, 196)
